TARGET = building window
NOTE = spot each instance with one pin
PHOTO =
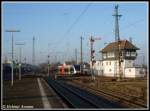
(110, 54)
(109, 63)
(128, 53)
(98, 64)
(104, 55)
(133, 53)
(106, 63)
(129, 70)
(115, 63)
(109, 70)
(102, 64)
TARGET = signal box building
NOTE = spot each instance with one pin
(109, 65)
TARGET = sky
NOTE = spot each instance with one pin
(58, 26)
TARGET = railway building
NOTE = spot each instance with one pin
(109, 65)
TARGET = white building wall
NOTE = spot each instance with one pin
(134, 72)
(98, 68)
(137, 72)
(98, 65)
(126, 64)
(130, 72)
(109, 68)
(114, 67)
(140, 72)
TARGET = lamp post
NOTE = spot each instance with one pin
(12, 66)
(48, 66)
(20, 50)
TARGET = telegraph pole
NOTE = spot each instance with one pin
(56, 59)
(81, 56)
(117, 40)
(116, 15)
(33, 53)
(25, 60)
(48, 66)
(76, 55)
(20, 62)
(12, 66)
(143, 60)
(130, 39)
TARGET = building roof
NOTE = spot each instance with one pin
(124, 45)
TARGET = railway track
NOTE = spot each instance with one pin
(79, 98)
(127, 99)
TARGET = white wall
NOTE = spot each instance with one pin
(140, 72)
(98, 68)
(126, 64)
(130, 72)
(134, 72)
(109, 67)
(106, 68)
(98, 65)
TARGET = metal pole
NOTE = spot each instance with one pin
(76, 55)
(20, 54)
(81, 55)
(91, 49)
(119, 59)
(33, 53)
(48, 66)
(25, 60)
(55, 59)
(33, 56)
(91, 44)
(20, 66)
(12, 72)
(143, 60)
(117, 36)
(117, 39)
(20, 60)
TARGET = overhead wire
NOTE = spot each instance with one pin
(72, 25)
(127, 26)
(132, 24)
(79, 17)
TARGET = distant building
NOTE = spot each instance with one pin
(7, 61)
(109, 65)
(68, 63)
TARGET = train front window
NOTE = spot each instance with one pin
(71, 70)
(77, 67)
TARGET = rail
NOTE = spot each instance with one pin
(78, 98)
(132, 100)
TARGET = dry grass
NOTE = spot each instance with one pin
(134, 88)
